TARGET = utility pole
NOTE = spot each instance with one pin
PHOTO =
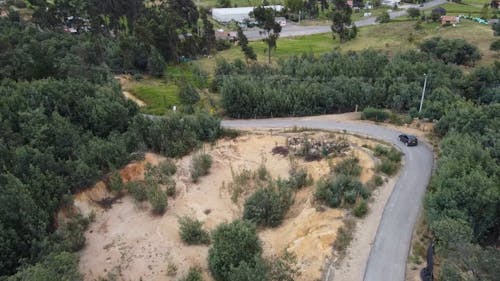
(423, 93)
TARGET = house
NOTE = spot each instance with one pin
(449, 20)
(220, 34)
(225, 15)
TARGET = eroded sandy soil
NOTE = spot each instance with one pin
(131, 243)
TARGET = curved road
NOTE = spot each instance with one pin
(387, 260)
(293, 29)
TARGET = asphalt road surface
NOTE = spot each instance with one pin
(387, 260)
(292, 29)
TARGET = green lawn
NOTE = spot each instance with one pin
(158, 95)
(315, 44)
(466, 7)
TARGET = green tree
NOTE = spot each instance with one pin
(22, 223)
(188, 94)
(223, 4)
(233, 244)
(247, 50)
(265, 18)
(56, 266)
(208, 36)
(341, 21)
(156, 63)
(295, 6)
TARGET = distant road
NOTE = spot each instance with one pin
(387, 260)
(293, 29)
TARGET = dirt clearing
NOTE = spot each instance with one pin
(129, 243)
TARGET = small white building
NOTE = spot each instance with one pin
(390, 3)
(224, 15)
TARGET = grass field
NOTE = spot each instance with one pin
(467, 7)
(159, 95)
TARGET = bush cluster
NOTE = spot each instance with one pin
(268, 206)
(375, 114)
(233, 244)
(340, 190)
(200, 165)
(192, 232)
(194, 274)
(349, 166)
(158, 200)
(390, 159)
(137, 189)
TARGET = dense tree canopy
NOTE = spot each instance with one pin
(65, 124)
(335, 82)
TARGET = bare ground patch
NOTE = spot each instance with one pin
(129, 243)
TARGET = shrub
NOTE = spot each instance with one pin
(374, 114)
(200, 164)
(115, 183)
(298, 178)
(360, 209)
(267, 206)
(377, 180)
(137, 190)
(171, 191)
(191, 231)
(230, 133)
(158, 200)
(391, 154)
(387, 167)
(171, 269)
(161, 173)
(349, 167)
(194, 274)
(262, 173)
(233, 243)
(344, 236)
(335, 191)
(222, 45)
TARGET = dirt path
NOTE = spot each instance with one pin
(133, 98)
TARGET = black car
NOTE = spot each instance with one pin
(409, 140)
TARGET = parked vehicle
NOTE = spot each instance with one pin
(409, 140)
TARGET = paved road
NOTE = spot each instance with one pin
(298, 30)
(387, 260)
